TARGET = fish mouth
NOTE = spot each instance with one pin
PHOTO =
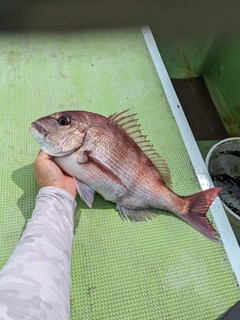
(36, 126)
(39, 133)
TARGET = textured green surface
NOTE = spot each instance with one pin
(162, 269)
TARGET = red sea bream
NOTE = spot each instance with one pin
(111, 156)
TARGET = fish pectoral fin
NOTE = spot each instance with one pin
(101, 170)
(86, 193)
(82, 157)
(136, 215)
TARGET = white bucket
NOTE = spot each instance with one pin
(230, 144)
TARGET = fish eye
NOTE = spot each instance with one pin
(64, 121)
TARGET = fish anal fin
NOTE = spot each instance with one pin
(85, 192)
(129, 124)
(196, 214)
(135, 215)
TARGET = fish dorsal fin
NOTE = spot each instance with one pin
(130, 125)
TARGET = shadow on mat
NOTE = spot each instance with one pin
(24, 179)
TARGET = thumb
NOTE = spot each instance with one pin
(42, 156)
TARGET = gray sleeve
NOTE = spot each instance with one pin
(35, 281)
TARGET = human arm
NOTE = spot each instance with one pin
(35, 281)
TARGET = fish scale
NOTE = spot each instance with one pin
(107, 155)
(126, 168)
(129, 172)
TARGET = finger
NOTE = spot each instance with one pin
(43, 156)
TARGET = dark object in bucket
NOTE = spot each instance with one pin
(224, 168)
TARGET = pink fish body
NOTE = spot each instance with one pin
(112, 157)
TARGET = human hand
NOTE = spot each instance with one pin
(47, 173)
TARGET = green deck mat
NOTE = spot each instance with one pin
(162, 269)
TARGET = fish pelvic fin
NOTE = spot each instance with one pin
(198, 205)
(85, 192)
(135, 215)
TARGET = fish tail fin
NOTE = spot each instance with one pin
(198, 205)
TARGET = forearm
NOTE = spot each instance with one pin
(35, 282)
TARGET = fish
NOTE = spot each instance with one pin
(110, 156)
